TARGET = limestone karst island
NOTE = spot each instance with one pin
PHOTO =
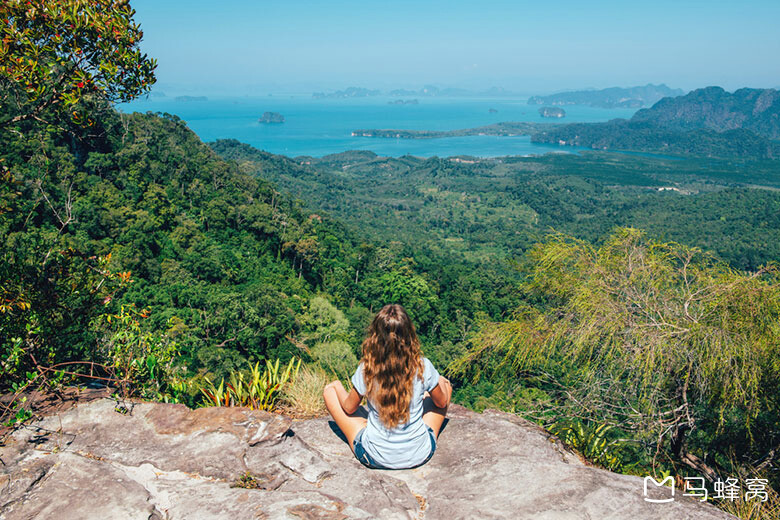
(271, 118)
(554, 112)
(280, 260)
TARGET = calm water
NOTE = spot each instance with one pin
(319, 127)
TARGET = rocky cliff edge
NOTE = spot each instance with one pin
(163, 461)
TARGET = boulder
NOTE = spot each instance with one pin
(164, 461)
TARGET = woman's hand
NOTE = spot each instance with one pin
(334, 384)
(349, 401)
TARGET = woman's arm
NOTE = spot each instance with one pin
(350, 401)
(442, 393)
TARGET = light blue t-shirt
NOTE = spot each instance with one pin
(408, 444)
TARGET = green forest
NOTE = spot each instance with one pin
(492, 210)
(628, 303)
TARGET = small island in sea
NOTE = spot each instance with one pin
(271, 118)
(404, 102)
(492, 111)
(552, 112)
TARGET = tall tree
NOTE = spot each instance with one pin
(56, 54)
(60, 60)
(657, 339)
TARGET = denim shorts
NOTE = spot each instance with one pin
(366, 459)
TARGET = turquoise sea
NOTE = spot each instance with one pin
(318, 127)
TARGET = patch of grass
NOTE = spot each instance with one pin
(754, 508)
(302, 397)
(250, 481)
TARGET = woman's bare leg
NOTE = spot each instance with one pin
(350, 425)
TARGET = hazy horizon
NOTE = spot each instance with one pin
(307, 89)
(242, 47)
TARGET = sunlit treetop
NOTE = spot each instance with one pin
(56, 53)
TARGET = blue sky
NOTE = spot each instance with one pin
(530, 47)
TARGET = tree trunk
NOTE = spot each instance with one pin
(681, 452)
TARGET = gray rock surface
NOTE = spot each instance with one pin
(162, 461)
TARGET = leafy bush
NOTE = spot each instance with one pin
(335, 356)
(323, 322)
(591, 441)
(142, 361)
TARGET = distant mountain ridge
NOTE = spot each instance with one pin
(614, 97)
(705, 122)
(425, 91)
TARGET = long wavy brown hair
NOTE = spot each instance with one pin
(391, 361)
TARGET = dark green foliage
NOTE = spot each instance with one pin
(205, 245)
(620, 134)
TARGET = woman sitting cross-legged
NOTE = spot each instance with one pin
(407, 398)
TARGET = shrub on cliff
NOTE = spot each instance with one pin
(674, 348)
